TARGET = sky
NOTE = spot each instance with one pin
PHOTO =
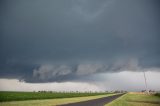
(100, 44)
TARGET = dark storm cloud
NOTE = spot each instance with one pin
(64, 40)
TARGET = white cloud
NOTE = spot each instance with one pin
(129, 80)
(15, 85)
(126, 80)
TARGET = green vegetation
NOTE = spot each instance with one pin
(136, 99)
(17, 96)
(157, 94)
(51, 102)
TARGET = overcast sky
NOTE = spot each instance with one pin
(70, 42)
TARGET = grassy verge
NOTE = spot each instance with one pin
(51, 102)
(136, 100)
(18, 96)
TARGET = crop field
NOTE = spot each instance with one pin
(137, 100)
(58, 98)
(18, 96)
(52, 102)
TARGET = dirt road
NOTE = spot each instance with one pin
(95, 102)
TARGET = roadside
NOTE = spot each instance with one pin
(136, 99)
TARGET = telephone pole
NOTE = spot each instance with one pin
(145, 82)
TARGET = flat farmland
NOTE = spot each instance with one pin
(19, 96)
(54, 101)
(61, 98)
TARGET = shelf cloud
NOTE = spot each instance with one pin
(75, 40)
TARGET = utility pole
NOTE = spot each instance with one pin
(145, 82)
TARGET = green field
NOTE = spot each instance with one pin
(52, 102)
(17, 96)
(55, 98)
(137, 100)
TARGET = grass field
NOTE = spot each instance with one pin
(137, 100)
(17, 96)
(51, 102)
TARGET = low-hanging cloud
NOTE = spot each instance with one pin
(44, 41)
(84, 72)
(66, 72)
(48, 71)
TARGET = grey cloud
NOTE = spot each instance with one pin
(76, 38)
(91, 12)
(52, 72)
(83, 71)
(48, 71)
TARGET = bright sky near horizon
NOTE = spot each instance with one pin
(129, 81)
